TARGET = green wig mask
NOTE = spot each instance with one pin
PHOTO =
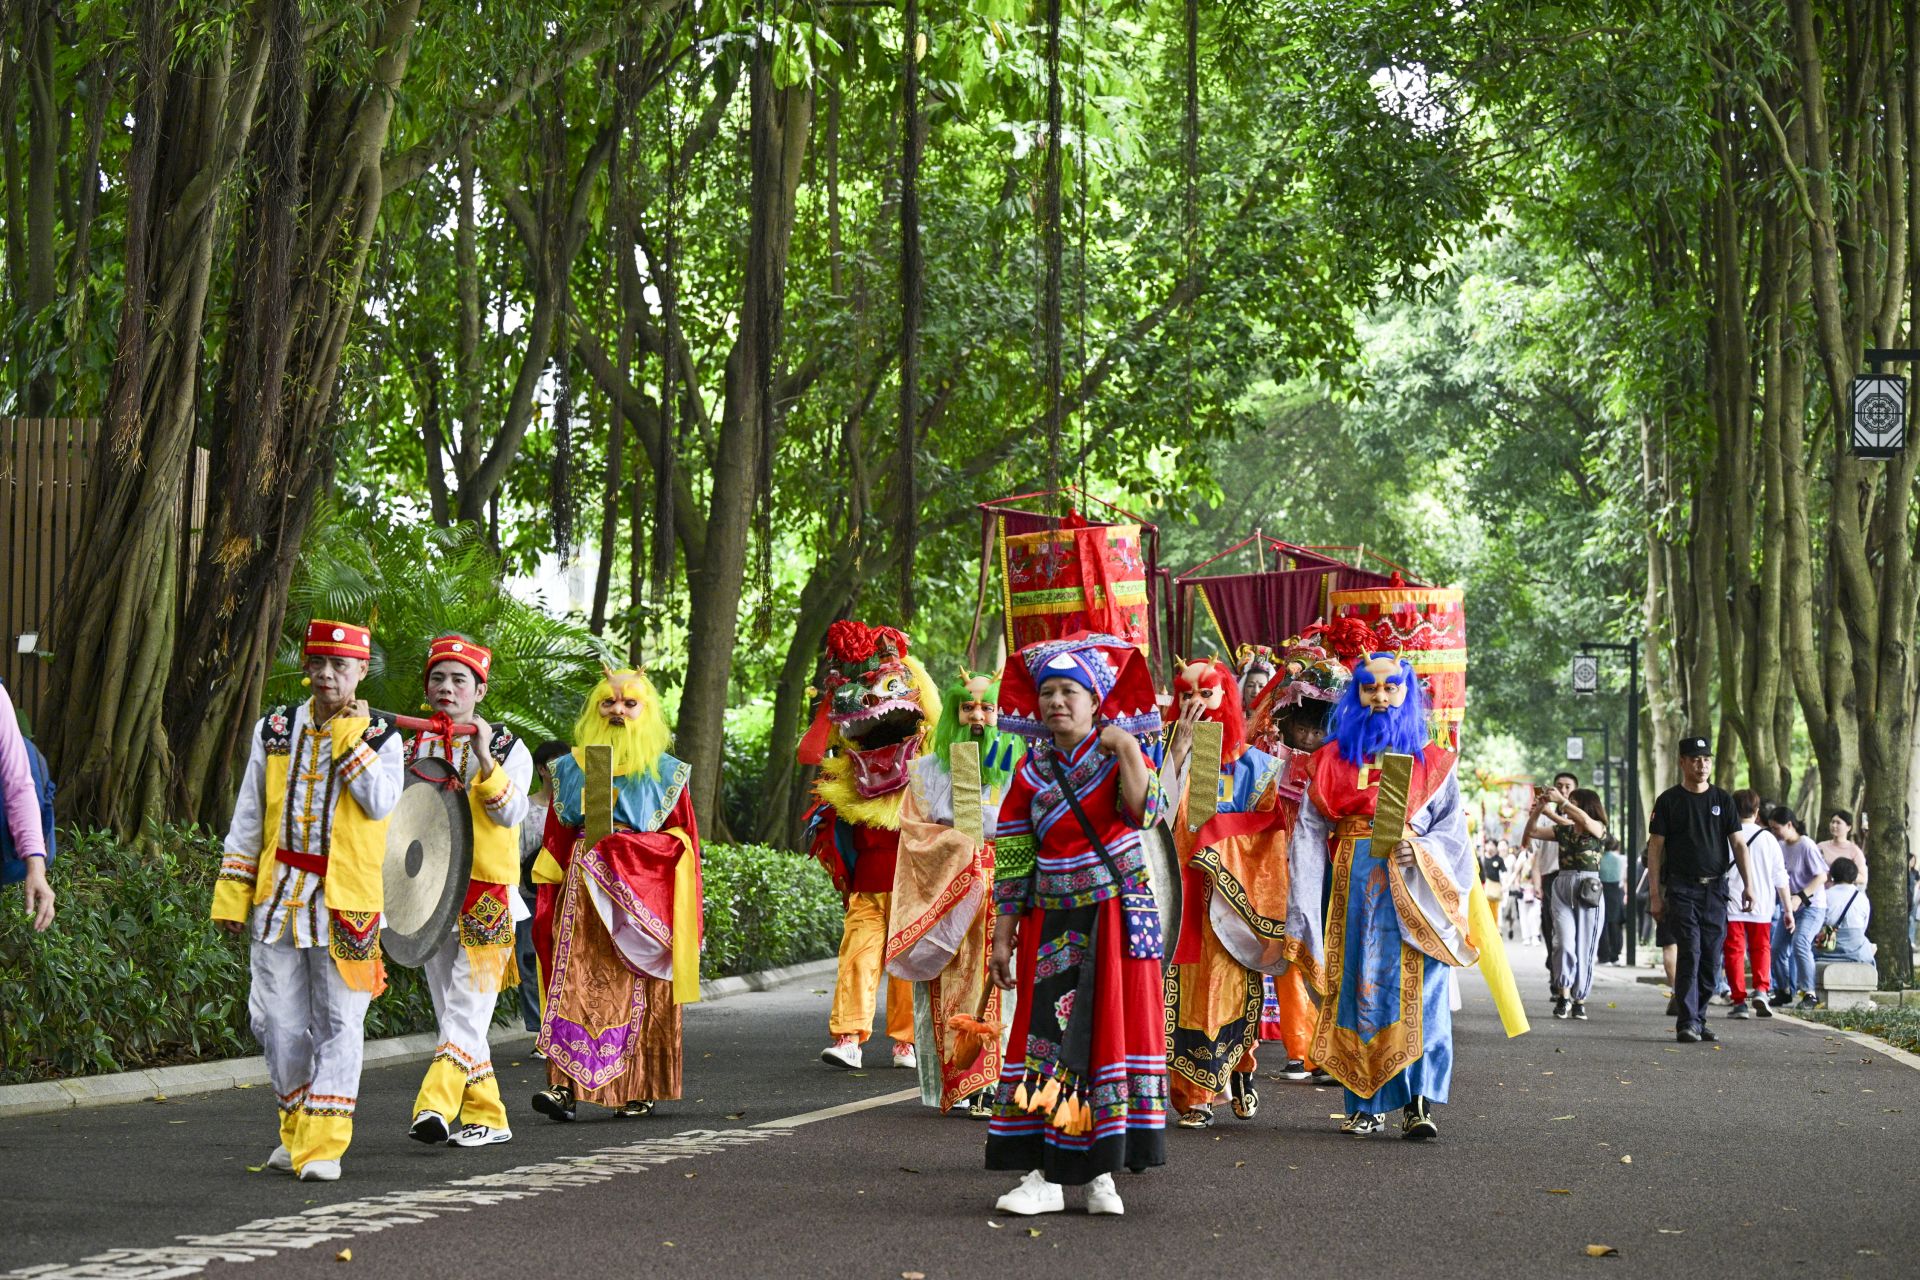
(999, 752)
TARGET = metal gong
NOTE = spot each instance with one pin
(1163, 877)
(429, 862)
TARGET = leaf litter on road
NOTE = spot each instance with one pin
(1602, 1251)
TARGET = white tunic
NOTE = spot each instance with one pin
(296, 908)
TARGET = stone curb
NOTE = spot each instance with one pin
(39, 1097)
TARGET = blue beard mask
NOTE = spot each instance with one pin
(1363, 734)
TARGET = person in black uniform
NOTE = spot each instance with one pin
(1694, 825)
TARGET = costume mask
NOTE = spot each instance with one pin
(622, 710)
(875, 707)
(1382, 682)
(1211, 684)
(978, 711)
(1383, 709)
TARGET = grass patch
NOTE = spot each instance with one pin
(1898, 1026)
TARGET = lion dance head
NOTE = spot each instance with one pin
(875, 711)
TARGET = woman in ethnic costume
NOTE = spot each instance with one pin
(617, 925)
(1083, 1090)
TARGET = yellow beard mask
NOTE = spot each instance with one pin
(637, 744)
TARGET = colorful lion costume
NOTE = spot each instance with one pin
(875, 716)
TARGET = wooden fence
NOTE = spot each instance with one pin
(47, 466)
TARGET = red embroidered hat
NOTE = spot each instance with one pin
(477, 658)
(327, 639)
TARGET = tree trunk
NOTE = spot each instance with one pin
(779, 124)
(113, 634)
(43, 170)
(314, 209)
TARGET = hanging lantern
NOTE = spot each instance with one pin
(1879, 415)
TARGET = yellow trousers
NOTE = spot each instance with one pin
(460, 1082)
(856, 988)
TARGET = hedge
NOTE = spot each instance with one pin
(134, 975)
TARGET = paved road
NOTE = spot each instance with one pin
(1781, 1151)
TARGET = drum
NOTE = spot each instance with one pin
(428, 864)
(1163, 877)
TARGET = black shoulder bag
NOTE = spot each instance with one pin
(1136, 903)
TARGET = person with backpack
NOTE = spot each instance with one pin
(24, 845)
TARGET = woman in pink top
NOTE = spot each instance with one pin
(23, 814)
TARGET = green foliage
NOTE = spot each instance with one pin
(412, 582)
(133, 974)
(1898, 1025)
(765, 908)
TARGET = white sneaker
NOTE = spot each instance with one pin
(1034, 1195)
(479, 1135)
(904, 1058)
(1103, 1196)
(843, 1052)
(321, 1171)
(281, 1159)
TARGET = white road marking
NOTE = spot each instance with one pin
(844, 1109)
(263, 1238)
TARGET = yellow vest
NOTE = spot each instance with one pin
(357, 846)
(496, 849)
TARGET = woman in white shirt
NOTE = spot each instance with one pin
(1849, 912)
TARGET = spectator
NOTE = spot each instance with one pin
(1848, 914)
(1807, 900)
(1541, 839)
(1839, 844)
(1613, 893)
(1692, 829)
(1580, 822)
(22, 811)
(1493, 869)
(1750, 933)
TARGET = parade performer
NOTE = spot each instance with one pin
(873, 720)
(941, 914)
(1377, 919)
(1083, 1091)
(303, 858)
(1235, 902)
(466, 975)
(1256, 667)
(617, 925)
(1290, 721)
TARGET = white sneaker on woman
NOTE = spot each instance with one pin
(281, 1159)
(320, 1171)
(1103, 1196)
(1034, 1195)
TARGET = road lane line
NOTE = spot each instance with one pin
(263, 1238)
(844, 1109)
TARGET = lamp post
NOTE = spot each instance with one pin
(1636, 832)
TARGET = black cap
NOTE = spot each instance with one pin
(1695, 747)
